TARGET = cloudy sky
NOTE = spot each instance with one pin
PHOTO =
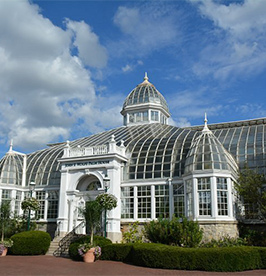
(67, 66)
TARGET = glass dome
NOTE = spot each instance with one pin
(145, 93)
(207, 153)
(11, 169)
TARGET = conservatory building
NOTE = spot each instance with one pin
(154, 169)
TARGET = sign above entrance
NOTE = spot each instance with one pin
(88, 163)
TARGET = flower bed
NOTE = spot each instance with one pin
(172, 257)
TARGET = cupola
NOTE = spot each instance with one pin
(144, 105)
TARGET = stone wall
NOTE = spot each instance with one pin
(217, 230)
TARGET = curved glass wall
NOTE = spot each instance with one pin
(11, 167)
(154, 150)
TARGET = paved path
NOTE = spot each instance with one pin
(47, 265)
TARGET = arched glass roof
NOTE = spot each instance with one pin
(11, 168)
(145, 93)
(207, 153)
(154, 150)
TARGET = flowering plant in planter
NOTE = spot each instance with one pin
(5, 244)
(85, 247)
(30, 203)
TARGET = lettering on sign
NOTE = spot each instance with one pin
(88, 163)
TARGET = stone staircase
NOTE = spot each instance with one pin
(53, 246)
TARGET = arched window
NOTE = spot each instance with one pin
(94, 186)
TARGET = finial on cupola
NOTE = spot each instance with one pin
(11, 145)
(205, 123)
(146, 77)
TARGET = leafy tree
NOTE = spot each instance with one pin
(5, 217)
(251, 187)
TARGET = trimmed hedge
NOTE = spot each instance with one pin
(73, 248)
(171, 257)
(30, 243)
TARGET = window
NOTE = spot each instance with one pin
(94, 186)
(204, 192)
(155, 116)
(52, 205)
(162, 201)
(18, 202)
(6, 195)
(145, 116)
(40, 196)
(179, 203)
(189, 198)
(127, 202)
(222, 193)
(144, 202)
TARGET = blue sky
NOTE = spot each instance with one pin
(67, 66)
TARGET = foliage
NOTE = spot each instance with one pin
(30, 243)
(93, 211)
(7, 243)
(30, 203)
(173, 232)
(117, 252)
(225, 241)
(107, 201)
(73, 248)
(251, 187)
(171, 257)
(92, 214)
(252, 236)
(133, 235)
(5, 217)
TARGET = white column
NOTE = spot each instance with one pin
(114, 216)
(229, 197)
(214, 197)
(153, 213)
(171, 198)
(71, 214)
(195, 198)
(62, 219)
(135, 203)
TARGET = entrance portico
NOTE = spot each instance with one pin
(84, 175)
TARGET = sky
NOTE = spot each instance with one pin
(66, 67)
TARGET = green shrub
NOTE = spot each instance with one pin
(225, 241)
(133, 234)
(117, 252)
(30, 243)
(172, 257)
(173, 232)
(209, 259)
(73, 248)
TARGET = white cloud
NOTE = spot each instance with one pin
(91, 52)
(43, 85)
(241, 43)
(146, 29)
(127, 68)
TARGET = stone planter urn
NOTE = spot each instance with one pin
(4, 252)
(89, 256)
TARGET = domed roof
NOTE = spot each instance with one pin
(145, 92)
(207, 153)
(11, 166)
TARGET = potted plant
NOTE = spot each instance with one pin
(5, 223)
(89, 253)
(4, 245)
(93, 214)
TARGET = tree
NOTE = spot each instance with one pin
(94, 208)
(251, 187)
(5, 217)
